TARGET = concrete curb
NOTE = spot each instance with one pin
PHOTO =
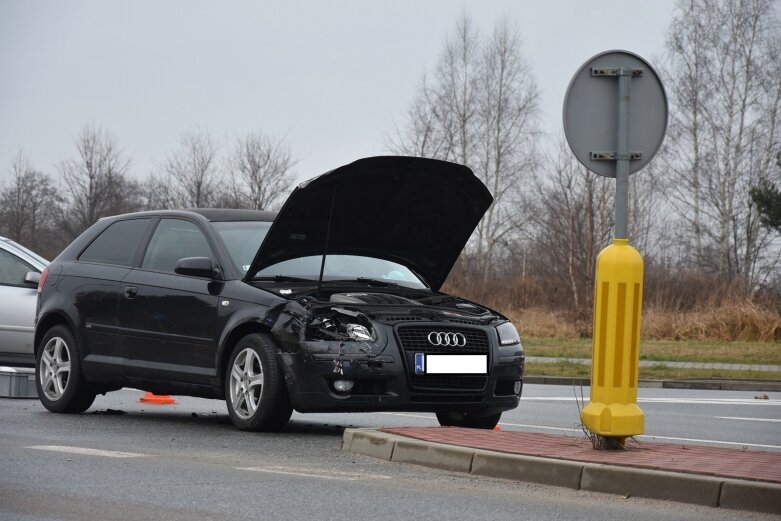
(673, 486)
(559, 473)
(612, 479)
(748, 495)
(710, 385)
(436, 455)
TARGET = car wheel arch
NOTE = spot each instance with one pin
(49, 321)
(230, 341)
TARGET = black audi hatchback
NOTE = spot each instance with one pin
(332, 304)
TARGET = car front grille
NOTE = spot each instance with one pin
(414, 339)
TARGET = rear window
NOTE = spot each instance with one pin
(117, 244)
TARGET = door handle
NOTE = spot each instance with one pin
(130, 292)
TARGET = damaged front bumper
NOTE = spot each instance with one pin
(382, 377)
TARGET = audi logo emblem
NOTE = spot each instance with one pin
(437, 338)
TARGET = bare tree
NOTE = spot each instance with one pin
(423, 134)
(574, 220)
(480, 109)
(95, 181)
(442, 120)
(259, 170)
(650, 225)
(724, 78)
(159, 192)
(27, 204)
(193, 171)
(507, 115)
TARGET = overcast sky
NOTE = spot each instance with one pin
(333, 77)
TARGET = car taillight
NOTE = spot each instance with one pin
(42, 280)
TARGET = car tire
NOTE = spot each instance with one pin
(61, 385)
(470, 420)
(255, 391)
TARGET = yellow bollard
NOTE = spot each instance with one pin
(618, 295)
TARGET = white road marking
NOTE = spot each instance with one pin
(544, 427)
(429, 417)
(651, 437)
(711, 442)
(88, 452)
(313, 473)
(689, 401)
(770, 420)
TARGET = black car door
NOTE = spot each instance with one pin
(95, 281)
(169, 320)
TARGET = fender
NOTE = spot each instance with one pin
(284, 321)
(244, 321)
(46, 319)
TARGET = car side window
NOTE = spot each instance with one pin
(117, 244)
(174, 239)
(13, 269)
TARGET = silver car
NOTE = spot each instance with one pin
(20, 270)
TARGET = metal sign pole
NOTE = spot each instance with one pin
(622, 155)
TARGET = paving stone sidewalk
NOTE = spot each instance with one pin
(690, 459)
(726, 478)
(652, 363)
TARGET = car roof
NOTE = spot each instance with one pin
(210, 214)
(27, 254)
(231, 214)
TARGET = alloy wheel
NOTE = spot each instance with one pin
(55, 368)
(246, 384)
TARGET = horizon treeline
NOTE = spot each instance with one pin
(704, 214)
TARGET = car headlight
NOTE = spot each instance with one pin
(360, 333)
(508, 335)
(339, 324)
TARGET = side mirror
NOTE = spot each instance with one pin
(196, 267)
(31, 278)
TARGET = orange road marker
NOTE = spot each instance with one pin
(157, 399)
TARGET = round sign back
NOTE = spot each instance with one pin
(591, 121)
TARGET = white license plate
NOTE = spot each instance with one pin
(456, 364)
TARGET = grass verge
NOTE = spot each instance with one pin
(656, 372)
(666, 350)
(737, 321)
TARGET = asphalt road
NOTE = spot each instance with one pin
(187, 462)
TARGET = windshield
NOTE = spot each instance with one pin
(344, 267)
(31, 253)
(242, 238)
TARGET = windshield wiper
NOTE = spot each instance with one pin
(435, 300)
(282, 278)
(363, 280)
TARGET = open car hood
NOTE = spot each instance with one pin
(413, 211)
